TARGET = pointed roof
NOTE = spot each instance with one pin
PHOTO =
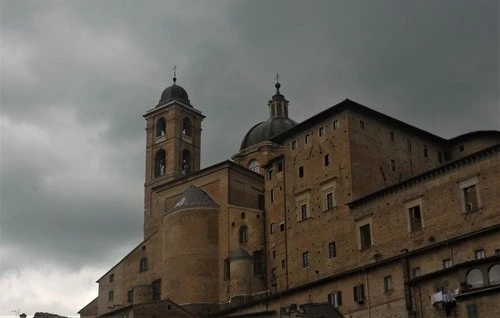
(193, 197)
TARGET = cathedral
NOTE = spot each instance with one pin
(350, 213)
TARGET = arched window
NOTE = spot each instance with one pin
(475, 278)
(494, 274)
(160, 163)
(187, 127)
(161, 127)
(143, 265)
(243, 234)
(254, 165)
(186, 162)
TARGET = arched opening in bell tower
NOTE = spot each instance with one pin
(187, 129)
(160, 163)
(186, 162)
(161, 127)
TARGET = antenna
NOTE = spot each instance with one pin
(175, 76)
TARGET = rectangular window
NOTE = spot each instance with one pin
(227, 269)
(479, 254)
(387, 283)
(335, 299)
(447, 263)
(327, 159)
(391, 134)
(362, 124)
(269, 174)
(274, 254)
(304, 214)
(283, 263)
(461, 148)
(470, 198)
(156, 289)
(130, 296)
(282, 227)
(426, 152)
(111, 278)
(301, 171)
(272, 228)
(365, 236)
(307, 138)
(273, 273)
(305, 260)
(336, 125)
(294, 144)
(472, 311)
(408, 145)
(416, 272)
(271, 196)
(415, 218)
(321, 131)
(111, 295)
(280, 166)
(258, 262)
(329, 201)
(393, 165)
(470, 195)
(440, 157)
(332, 251)
(359, 293)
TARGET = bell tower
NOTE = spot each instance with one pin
(173, 138)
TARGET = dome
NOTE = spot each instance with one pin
(240, 253)
(267, 130)
(174, 92)
(277, 123)
(193, 197)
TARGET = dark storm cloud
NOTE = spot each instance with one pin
(77, 76)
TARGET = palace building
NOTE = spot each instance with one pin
(350, 213)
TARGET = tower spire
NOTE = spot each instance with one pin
(175, 76)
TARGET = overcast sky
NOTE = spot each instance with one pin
(77, 76)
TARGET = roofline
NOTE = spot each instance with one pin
(475, 133)
(353, 271)
(95, 299)
(158, 108)
(347, 104)
(426, 175)
(128, 254)
(217, 166)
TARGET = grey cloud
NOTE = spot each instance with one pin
(432, 64)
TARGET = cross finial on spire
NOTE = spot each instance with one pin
(277, 77)
(175, 76)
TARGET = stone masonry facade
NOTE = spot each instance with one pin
(351, 207)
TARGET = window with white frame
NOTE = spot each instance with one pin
(415, 218)
(302, 205)
(328, 189)
(336, 124)
(254, 165)
(335, 299)
(414, 213)
(447, 263)
(359, 293)
(479, 254)
(471, 200)
(388, 283)
(307, 138)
